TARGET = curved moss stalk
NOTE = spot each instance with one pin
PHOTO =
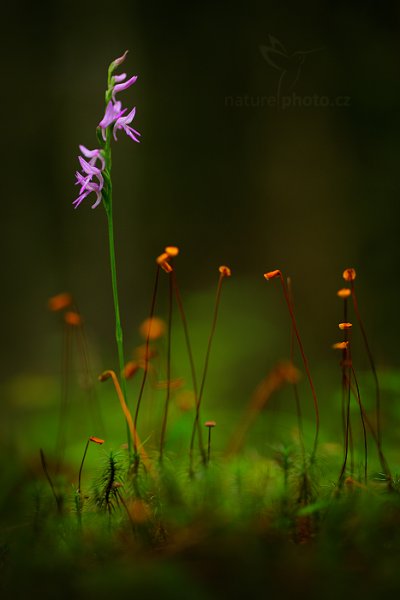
(277, 274)
(223, 272)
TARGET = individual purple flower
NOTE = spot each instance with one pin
(91, 170)
(85, 179)
(90, 187)
(113, 112)
(93, 155)
(123, 123)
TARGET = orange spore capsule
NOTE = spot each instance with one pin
(166, 267)
(171, 251)
(72, 318)
(96, 440)
(225, 271)
(349, 274)
(153, 328)
(344, 293)
(344, 326)
(130, 369)
(162, 258)
(210, 424)
(60, 301)
(340, 346)
(104, 376)
(272, 274)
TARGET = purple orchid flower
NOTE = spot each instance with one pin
(113, 112)
(93, 155)
(90, 187)
(123, 123)
(91, 170)
(85, 179)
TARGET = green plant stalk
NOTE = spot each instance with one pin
(107, 202)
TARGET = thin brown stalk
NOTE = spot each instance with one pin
(363, 426)
(347, 432)
(371, 362)
(205, 369)
(57, 498)
(294, 384)
(190, 355)
(146, 359)
(168, 394)
(278, 273)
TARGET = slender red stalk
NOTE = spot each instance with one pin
(382, 459)
(146, 358)
(57, 498)
(274, 274)
(190, 354)
(167, 399)
(81, 467)
(371, 362)
(346, 378)
(223, 272)
(363, 426)
(294, 384)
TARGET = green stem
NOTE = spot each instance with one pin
(107, 197)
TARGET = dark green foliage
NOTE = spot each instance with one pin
(106, 489)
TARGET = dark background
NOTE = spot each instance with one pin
(307, 189)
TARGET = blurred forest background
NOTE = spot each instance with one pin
(227, 176)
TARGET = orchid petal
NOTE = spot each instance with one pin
(88, 168)
(80, 199)
(115, 129)
(123, 86)
(129, 118)
(118, 78)
(109, 116)
(88, 153)
(131, 133)
(98, 200)
(93, 155)
(101, 180)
